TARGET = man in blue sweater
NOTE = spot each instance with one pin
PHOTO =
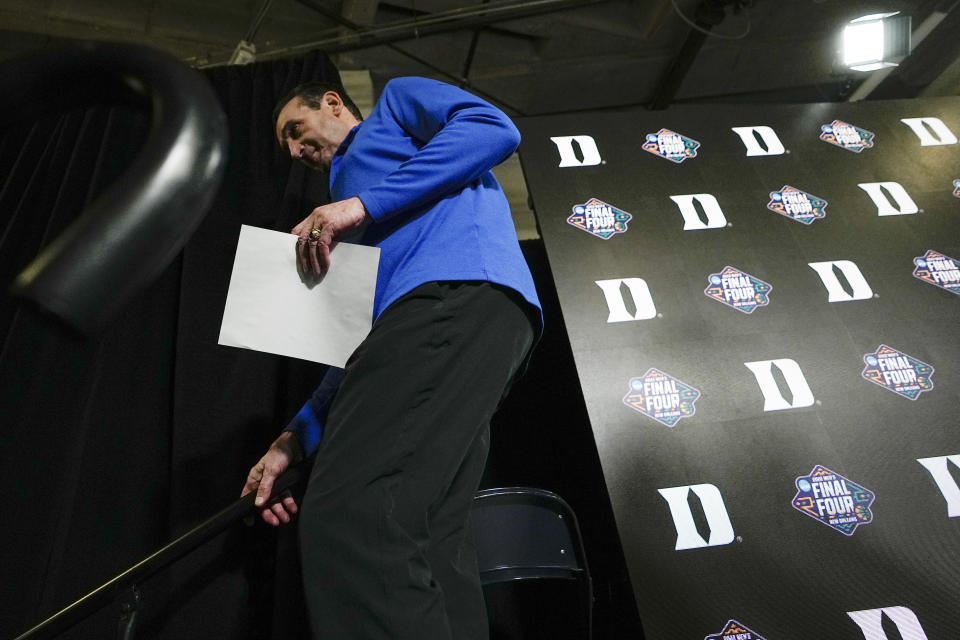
(402, 433)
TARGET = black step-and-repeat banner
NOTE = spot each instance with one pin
(764, 309)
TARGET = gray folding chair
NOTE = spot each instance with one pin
(523, 533)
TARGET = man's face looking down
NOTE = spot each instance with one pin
(310, 135)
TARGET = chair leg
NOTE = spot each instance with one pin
(129, 603)
(588, 604)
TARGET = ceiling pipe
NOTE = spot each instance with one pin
(468, 63)
(461, 80)
(709, 14)
(443, 22)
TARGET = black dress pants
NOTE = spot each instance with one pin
(384, 534)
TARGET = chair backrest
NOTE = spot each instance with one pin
(522, 532)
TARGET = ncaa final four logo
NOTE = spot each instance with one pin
(671, 145)
(661, 397)
(834, 500)
(738, 289)
(599, 218)
(846, 136)
(896, 371)
(735, 631)
(939, 270)
(797, 205)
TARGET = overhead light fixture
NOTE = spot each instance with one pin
(876, 41)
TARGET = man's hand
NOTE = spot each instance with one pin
(334, 222)
(284, 452)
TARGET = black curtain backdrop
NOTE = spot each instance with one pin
(115, 445)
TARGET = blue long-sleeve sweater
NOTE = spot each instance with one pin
(420, 163)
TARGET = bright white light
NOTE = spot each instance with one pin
(873, 66)
(863, 43)
(874, 16)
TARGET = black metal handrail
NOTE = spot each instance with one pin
(126, 237)
(108, 592)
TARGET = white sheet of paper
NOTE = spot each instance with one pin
(270, 309)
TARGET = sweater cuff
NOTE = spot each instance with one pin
(308, 428)
(372, 205)
(308, 425)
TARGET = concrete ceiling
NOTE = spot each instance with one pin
(530, 57)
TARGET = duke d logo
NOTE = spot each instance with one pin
(846, 136)
(599, 218)
(834, 500)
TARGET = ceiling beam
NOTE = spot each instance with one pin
(946, 84)
(387, 8)
(356, 29)
(73, 29)
(444, 22)
(360, 12)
